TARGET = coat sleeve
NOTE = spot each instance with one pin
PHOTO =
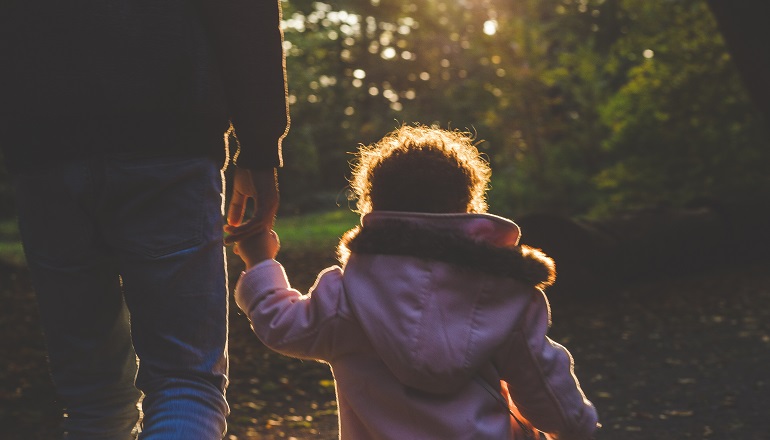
(248, 43)
(286, 321)
(541, 378)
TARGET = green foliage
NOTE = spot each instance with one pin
(583, 106)
(11, 250)
(316, 230)
(586, 106)
(681, 127)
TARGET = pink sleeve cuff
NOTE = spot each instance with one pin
(262, 278)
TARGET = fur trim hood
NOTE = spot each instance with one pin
(482, 242)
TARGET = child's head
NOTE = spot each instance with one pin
(421, 169)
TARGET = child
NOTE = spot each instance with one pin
(435, 311)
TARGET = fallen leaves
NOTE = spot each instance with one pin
(671, 359)
(682, 358)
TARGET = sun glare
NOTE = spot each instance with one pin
(490, 27)
(388, 53)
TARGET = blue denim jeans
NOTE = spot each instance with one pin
(128, 266)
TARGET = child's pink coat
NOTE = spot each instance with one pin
(428, 305)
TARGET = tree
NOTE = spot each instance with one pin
(682, 126)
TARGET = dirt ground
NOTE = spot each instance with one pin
(677, 358)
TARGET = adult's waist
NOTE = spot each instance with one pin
(37, 142)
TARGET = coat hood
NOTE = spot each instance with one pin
(437, 294)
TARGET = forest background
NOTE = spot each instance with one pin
(583, 107)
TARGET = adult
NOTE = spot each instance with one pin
(112, 116)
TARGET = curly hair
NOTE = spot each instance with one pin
(421, 169)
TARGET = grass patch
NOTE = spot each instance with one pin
(316, 230)
(9, 228)
(11, 250)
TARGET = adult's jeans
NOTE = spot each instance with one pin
(127, 262)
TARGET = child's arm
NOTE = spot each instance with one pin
(283, 319)
(541, 380)
(257, 248)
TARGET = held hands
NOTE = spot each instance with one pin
(260, 186)
(257, 248)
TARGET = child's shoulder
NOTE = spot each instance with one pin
(483, 227)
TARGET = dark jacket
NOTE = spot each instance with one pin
(145, 77)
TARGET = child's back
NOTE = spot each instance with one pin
(429, 307)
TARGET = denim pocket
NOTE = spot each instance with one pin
(160, 206)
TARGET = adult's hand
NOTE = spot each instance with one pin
(260, 186)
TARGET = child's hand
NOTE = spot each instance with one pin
(257, 248)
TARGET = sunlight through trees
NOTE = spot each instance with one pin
(570, 96)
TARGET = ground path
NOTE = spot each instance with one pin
(682, 358)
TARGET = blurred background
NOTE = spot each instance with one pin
(584, 107)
